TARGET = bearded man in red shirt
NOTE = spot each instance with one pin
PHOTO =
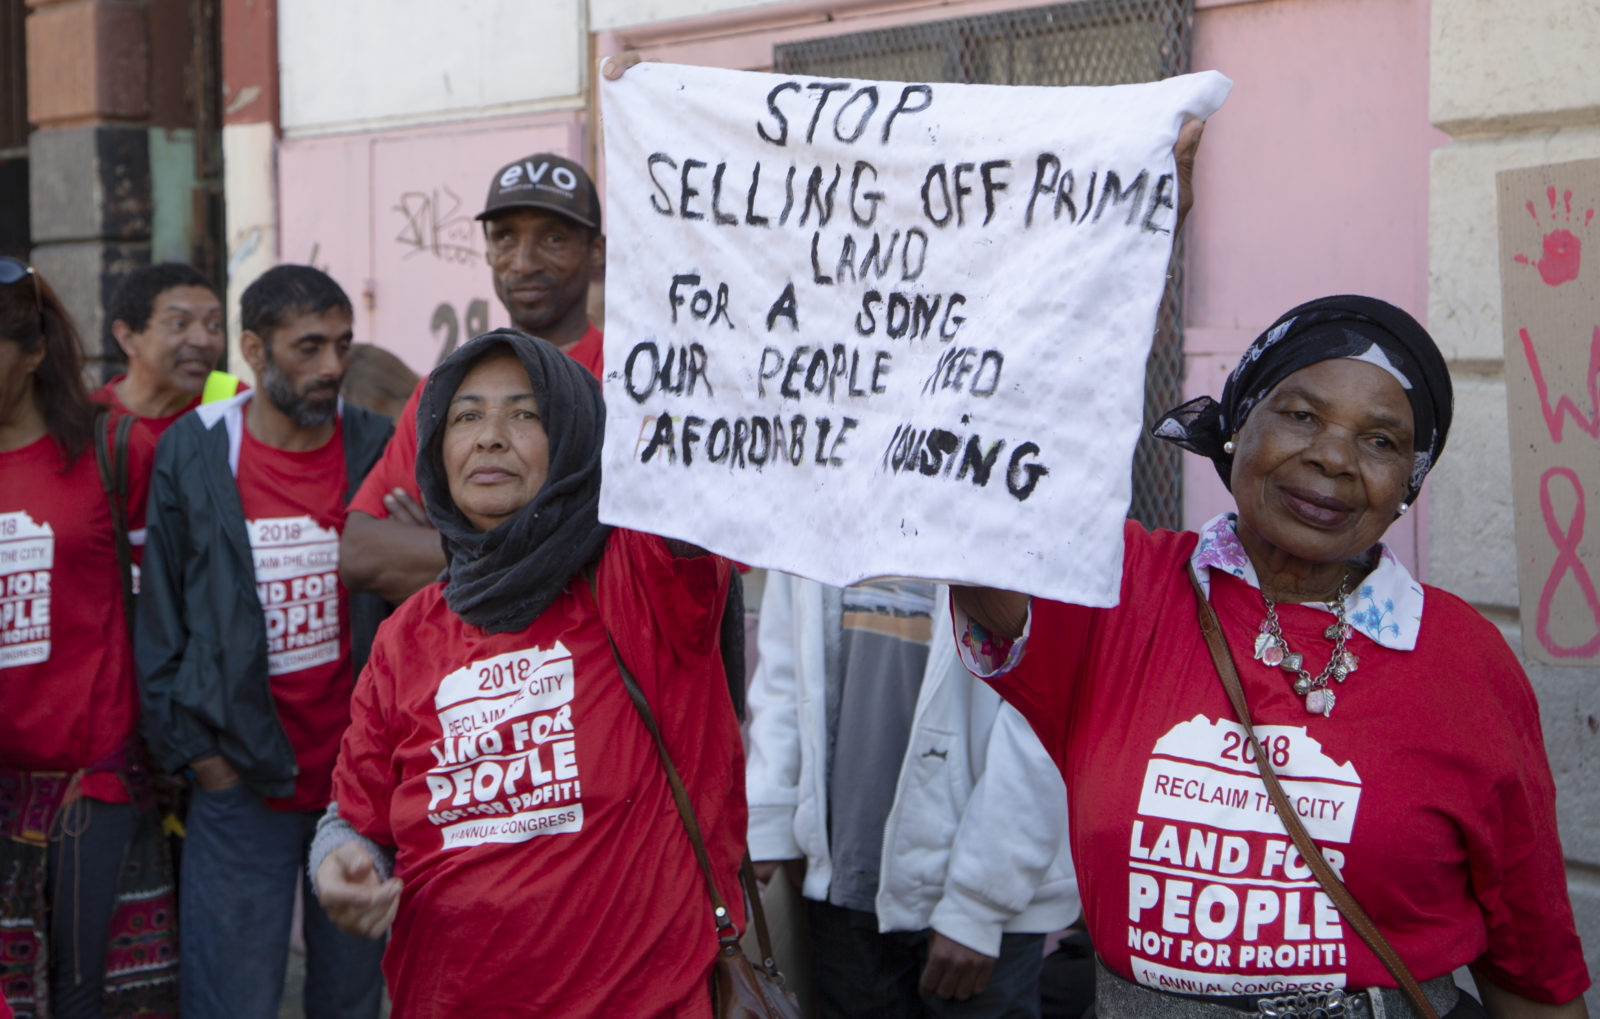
(248, 647)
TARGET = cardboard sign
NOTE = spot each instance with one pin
(1550, 307)
(859, 329)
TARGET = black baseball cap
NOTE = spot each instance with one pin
(544, 181)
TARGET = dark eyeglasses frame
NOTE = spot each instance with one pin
(12, 270)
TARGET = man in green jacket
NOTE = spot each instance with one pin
(248, 647)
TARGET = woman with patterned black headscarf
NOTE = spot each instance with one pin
(1402, 727)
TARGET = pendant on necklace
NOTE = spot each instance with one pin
(1273, 655)
(1336, 630)
(1320, 702)
(1292, 661)
(1263, 641)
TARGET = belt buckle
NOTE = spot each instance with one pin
(1304, 1006)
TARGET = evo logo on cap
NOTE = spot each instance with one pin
(562, 177)
(544, 180)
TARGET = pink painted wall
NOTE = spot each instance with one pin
(1312, 180)
(389, 215)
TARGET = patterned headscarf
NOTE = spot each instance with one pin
(1360, 328)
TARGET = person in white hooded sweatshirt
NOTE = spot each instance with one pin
(931, 823)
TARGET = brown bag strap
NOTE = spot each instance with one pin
(747, 874)
(111, 456)
(1347, 904)
(726, 933)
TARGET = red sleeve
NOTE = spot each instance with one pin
(1515, 855)
(397, 468)
(1061, 636)
(665, 614)
(1040, 687)
(364, 778)
(655, 603)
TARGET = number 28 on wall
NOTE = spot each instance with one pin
(446, 325)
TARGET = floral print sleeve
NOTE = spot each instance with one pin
(984, 654)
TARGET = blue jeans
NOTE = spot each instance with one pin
(241, 862)
(862, 974)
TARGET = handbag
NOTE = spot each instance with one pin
(1335, 889)
(739, 989)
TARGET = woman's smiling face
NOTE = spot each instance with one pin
(1323, 463)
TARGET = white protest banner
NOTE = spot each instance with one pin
(861, 329)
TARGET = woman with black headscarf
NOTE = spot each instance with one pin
(1402, 727)
(494, 758)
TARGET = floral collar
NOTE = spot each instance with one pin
(1387, 607)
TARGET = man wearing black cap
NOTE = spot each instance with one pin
(541, 227)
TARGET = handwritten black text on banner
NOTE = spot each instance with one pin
(868, 328)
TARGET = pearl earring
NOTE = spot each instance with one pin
(1227, 447)
(1403, 507)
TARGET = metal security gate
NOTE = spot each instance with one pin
(1089, 42)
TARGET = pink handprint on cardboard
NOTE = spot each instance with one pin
(1562, 249)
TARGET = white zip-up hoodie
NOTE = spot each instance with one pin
(976, 841)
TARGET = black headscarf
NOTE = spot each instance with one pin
(503, 578)
(1361, 328)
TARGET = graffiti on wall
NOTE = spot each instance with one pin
(435, 223)
(1551, 318)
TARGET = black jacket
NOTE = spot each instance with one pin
(201, 637)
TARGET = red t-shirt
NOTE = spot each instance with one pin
(546, 870)
(68, 698)
(397, 468)
(1428, 789)
(294, 512)
(158, 426)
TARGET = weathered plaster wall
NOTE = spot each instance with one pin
(387, 148)
(249, 152)
(1509, 82)
(362, 64)
(605, 15)
(249, 161)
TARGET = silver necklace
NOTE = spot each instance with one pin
(1273, 650)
